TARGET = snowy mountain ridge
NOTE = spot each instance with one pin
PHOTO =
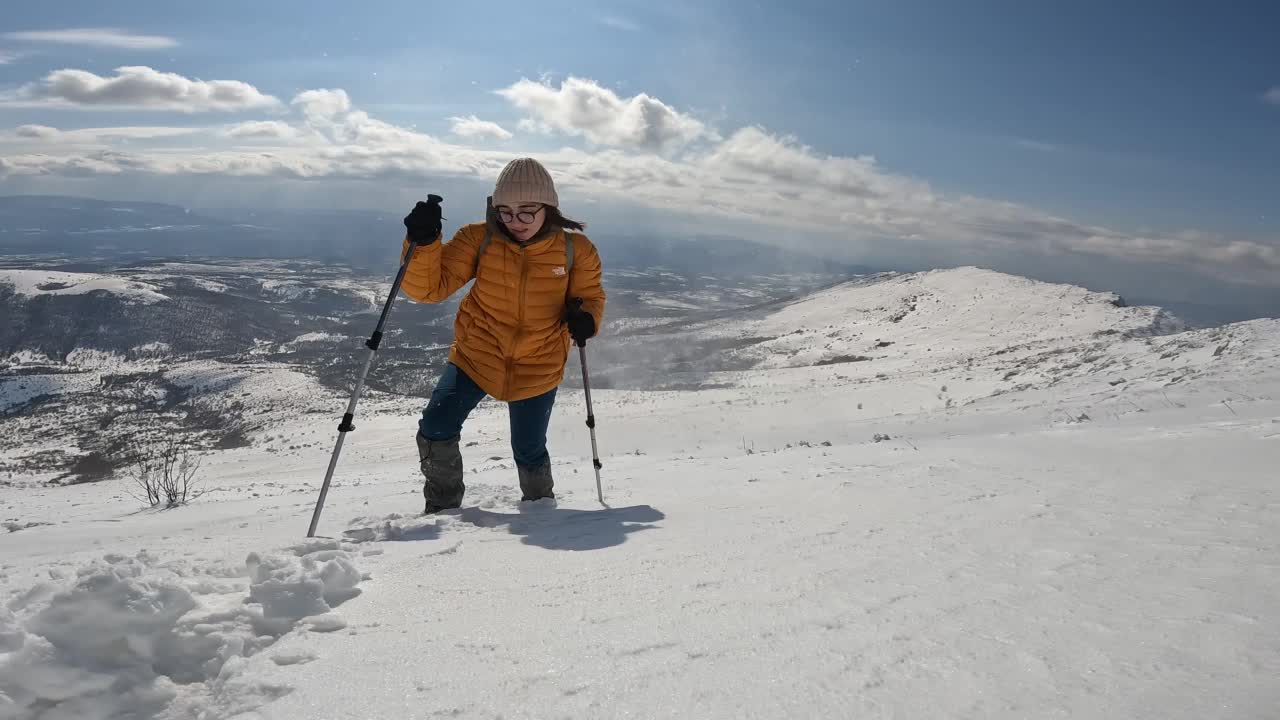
(954, 312)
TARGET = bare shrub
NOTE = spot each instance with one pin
(165, 474)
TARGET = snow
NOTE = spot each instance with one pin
(93, 359)
(373, 294)
(1096, 536)
(18, 390)
(30, 283)
(311, 337)
(210, 285)
(317, 337)
(667, 303)
(26, 357)
(153, 348)
(132, 636)
(198, 274)
(271, 393)
(286, 289)
(955, 314)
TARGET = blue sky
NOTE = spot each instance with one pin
(1147, 132)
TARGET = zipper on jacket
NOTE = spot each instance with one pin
(515, 340)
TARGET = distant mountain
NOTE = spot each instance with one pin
(38, 214)
(105, 230)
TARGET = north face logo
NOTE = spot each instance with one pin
(557, 271)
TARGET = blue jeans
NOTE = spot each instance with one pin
(456, 395)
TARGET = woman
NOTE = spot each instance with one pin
(537, 287)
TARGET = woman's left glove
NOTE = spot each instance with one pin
(581, 325)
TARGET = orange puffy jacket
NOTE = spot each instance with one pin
(509, 336)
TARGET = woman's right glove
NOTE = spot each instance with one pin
(423, 222)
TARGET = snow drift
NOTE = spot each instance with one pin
(132, 636)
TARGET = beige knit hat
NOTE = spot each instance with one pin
(525, 180)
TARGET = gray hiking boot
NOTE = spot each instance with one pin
(441, 463)
(536, 483)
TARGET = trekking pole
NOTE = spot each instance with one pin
(591, 417)
(372, 344)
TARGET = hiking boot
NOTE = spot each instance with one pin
(536, 483)
(441, 464)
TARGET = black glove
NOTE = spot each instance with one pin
(581, 325)
(423, 222)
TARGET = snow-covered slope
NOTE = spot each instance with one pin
(1032, 514)
(30, 283)
(888, 324)
(944, 316)
(221, 403)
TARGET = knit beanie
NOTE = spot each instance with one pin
(525, 180)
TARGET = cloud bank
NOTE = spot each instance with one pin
(473, 127)
(88, 136)
(95, 37)
(582, 107)
(641, 152)
(138, 88)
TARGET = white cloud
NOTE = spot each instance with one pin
(8, 56)
(330, 140)
(1235, 260)
(96, 37)
(757, 177)
(473, 127)
(583, 107)
(329, 113)
(90, 165)
(92, 136)
(262, 130)
(138, 88)
(39, 132)
(754, 155)
(323, 105)
(1272, 96)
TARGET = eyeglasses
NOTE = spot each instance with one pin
(524, 216)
